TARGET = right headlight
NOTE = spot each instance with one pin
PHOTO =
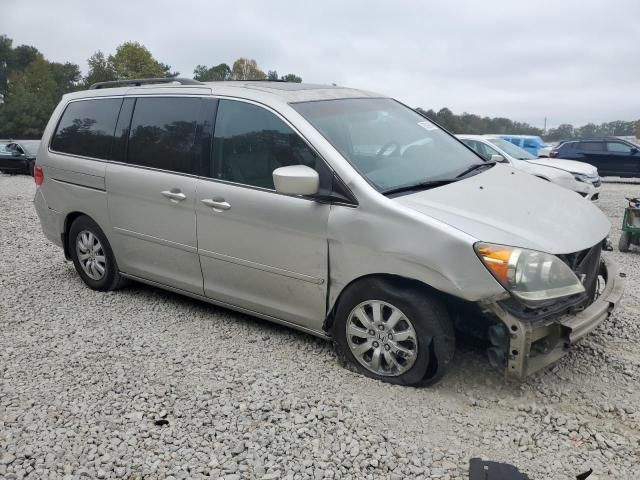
(530, 275)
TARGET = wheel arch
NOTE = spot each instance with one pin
(401, 281)
(68, 221)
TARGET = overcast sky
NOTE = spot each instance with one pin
(570, 61)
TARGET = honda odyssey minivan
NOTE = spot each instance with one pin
(339, 212)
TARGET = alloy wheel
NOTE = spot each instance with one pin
(91, 255)
(382, 338)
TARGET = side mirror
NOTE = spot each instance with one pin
(634, 150)
(498, 159)
(296, 180)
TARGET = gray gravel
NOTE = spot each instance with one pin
(85, 378)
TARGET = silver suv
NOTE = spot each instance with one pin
(336, 211)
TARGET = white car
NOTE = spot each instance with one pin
(544, 150)
(577, 176)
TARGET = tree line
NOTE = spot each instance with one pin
(31, 86)
(476, 125)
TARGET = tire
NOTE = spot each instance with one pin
(100, 270)
(30, 166)
(624, 242)
(431, 343)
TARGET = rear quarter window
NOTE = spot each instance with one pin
(86, 128)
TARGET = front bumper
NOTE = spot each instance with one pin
(588, 190)
(533, 345)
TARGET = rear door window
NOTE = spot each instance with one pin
(163, 132)
(250, 142)
(591, 147)
(87, 127)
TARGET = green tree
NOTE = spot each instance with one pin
(561, 132)
(291, 77)
(100, 70)
(246, 69)
(272, 75)
(588, 131)
(474, 124)
(67, 77)
(218, 73)
(134, 60)
(34, 93)
(23, 55)
(6, 52)
(14, 60)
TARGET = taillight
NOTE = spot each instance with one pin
(38, 175)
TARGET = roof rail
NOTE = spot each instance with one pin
(136, 82)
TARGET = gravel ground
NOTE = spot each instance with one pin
(88, 379)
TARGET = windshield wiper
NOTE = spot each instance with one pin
(419, 186)
(475, 167)
(436, 183)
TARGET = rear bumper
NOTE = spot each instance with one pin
(50, 220)
(535, 345)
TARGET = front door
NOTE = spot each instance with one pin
(261, 250)
(152, 194)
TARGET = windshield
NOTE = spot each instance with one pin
(389, 144)
(511, 149)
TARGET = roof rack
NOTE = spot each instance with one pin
(136, 82)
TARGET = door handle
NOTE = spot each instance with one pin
(174, 195)
(217, 205)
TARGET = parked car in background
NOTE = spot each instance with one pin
(18, 156)
(612, 156)
(300, 221)
(530, 143)
(579, 177)
(545, 149)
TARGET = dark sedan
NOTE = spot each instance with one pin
(612, 156)
(18, 156)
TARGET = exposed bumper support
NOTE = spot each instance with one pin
(534, 345)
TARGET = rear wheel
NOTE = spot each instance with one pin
(92, 255)
(624, 242)
(397, 335)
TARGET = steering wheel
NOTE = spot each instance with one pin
(387, 146)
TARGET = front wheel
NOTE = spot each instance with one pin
(624, 242)
(397, 335)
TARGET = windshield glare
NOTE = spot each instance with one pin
(389, 144)
(511, 149)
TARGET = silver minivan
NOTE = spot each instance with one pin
(339, 212)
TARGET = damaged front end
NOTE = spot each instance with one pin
(527, 338)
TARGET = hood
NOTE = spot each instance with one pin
(505, 206)
(568, 165)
